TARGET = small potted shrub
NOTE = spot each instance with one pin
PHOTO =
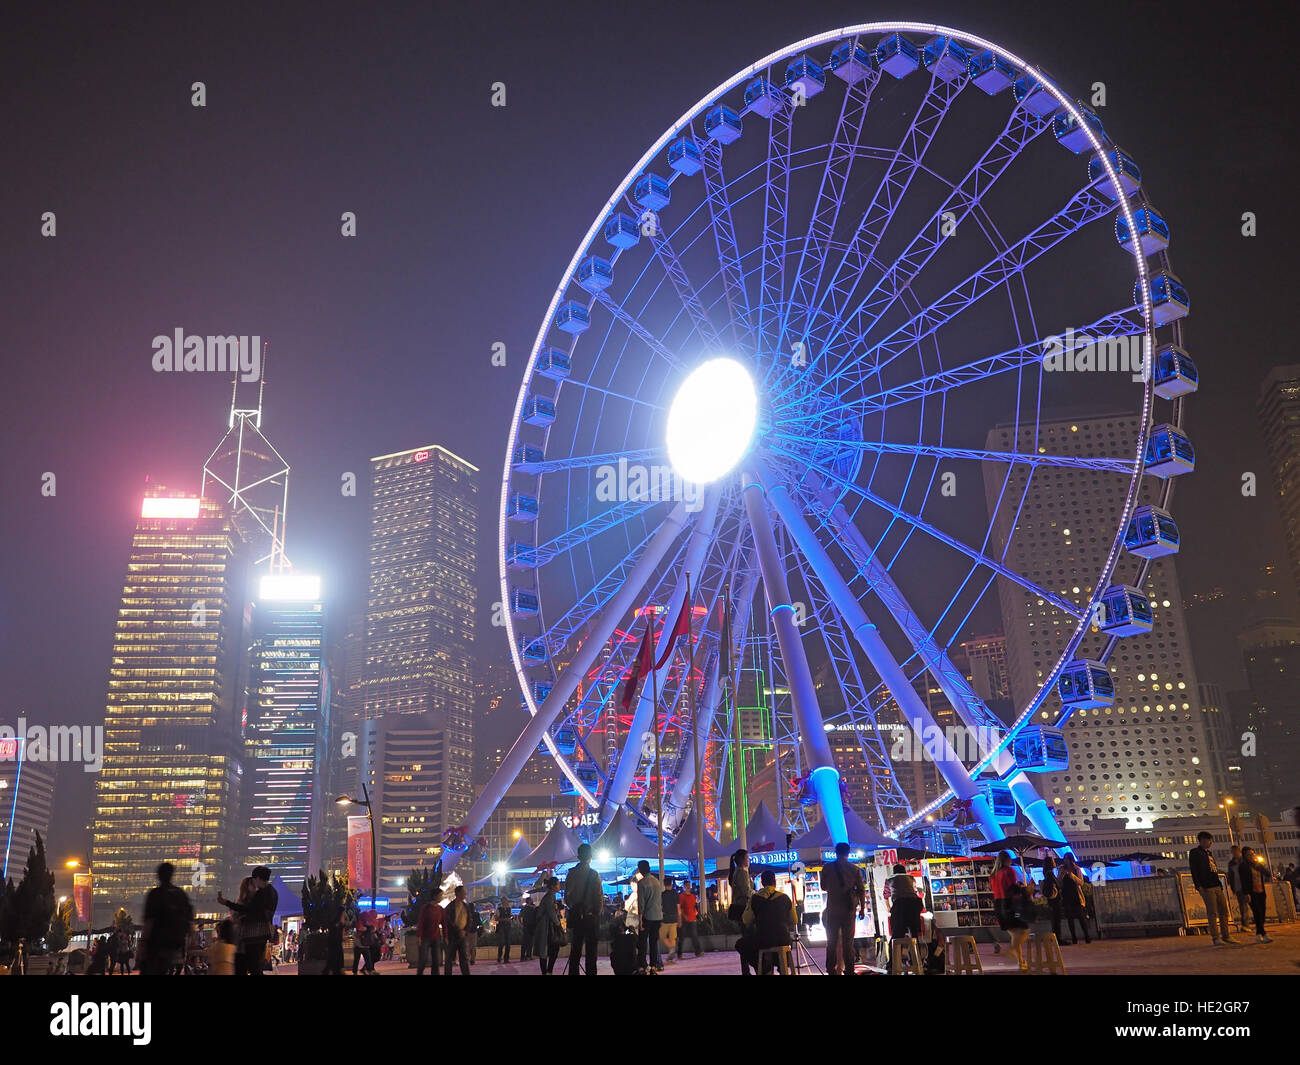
(423, 887)
(323, 899)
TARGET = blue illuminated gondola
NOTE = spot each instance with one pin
(1071, 134)
(851, 62)
(945, 58)
(1169, 300)
(534, 653)
(936, 840)
(565, 739)
(553, 363)
(595, 274)
(527, 458)
(540, 691)
(571, 317)
(522, 507)
(684, 156)
(1169, 452)
(652, 192)
(1000, 800)
(990, 72)
(1034, 96)
(523, 603)
(622, 230)
(897, 55)
(1153, 231)
(1151, 533)
(585, 772)
(520, 555)
(1084, 684)
(805, 77)
(763, 98)
(1126, 611)
(538, 410)
(1130, 177)
(1174, 373)
(1040, 749)
(722, 124)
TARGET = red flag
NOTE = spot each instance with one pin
(641, 665)
(681, 627)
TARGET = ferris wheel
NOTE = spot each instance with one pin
(776, 367)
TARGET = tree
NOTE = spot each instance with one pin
(122, 919)
(30, 905)
(60, 933)
(422, 886)
(324, 898)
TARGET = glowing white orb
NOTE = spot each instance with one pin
(711, 421)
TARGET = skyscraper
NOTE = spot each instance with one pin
(169, 783)
(1279, 414)
(286, 728)
(1147, 756)
(26, 805)
(1271, 651)
(343, 758)
(417, 683)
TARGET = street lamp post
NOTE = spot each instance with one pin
(1227, 818)
(344, 800)
(73, 863)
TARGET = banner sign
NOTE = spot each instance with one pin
(81, 895)
(360, 875)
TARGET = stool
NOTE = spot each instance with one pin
(903, 956)
(784, 965)
(963, 957)
(1045, 955)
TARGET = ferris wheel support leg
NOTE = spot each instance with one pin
(681, 796)
(567, 682)
(969, 706)
(630, 757)
(822, 771)
(930, 738)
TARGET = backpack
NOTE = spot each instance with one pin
(623, 957)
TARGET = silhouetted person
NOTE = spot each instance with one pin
(167, 918)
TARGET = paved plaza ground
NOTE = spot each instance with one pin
(1169, 955)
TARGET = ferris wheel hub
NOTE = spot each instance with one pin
(711, 421)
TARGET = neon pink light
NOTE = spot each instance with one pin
(421, 456)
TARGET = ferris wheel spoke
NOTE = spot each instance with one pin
(681, 282)
(635, 327)
(620, 512)
(701, 538)
(945, 538)
(1087, 205)
(940, 451)
(826, 210)
(1021, 130)
(776, 206)
(610, 393)
(889, 194)
(724, 238)
(1122, 324)
(584, 462)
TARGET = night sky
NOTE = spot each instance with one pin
(226, 219)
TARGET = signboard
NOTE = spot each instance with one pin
(360, 875)
(421, 456)
(858, 855)
(81, 895)
(773, 857)
(8, 749)
(569, 821)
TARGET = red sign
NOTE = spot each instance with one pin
(421, 456)
(360, 874)
(8, 749)
(81, 895)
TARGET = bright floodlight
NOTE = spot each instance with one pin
(711, 421)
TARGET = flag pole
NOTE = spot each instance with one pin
(659, 783)
(703, 897)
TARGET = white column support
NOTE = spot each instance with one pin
(567, 682)
(822, 771)
(630, 757)
(929, 736)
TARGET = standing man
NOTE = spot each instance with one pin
(1205, 876)
(429, 929)
(845, 894)
(528, 921)
(689, 906)
(668, 930)
(455, 931)
(505, 918)
(167, 918)
(583, 895)
(649, 904)
(1235, 885)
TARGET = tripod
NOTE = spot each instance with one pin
(802, 957)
